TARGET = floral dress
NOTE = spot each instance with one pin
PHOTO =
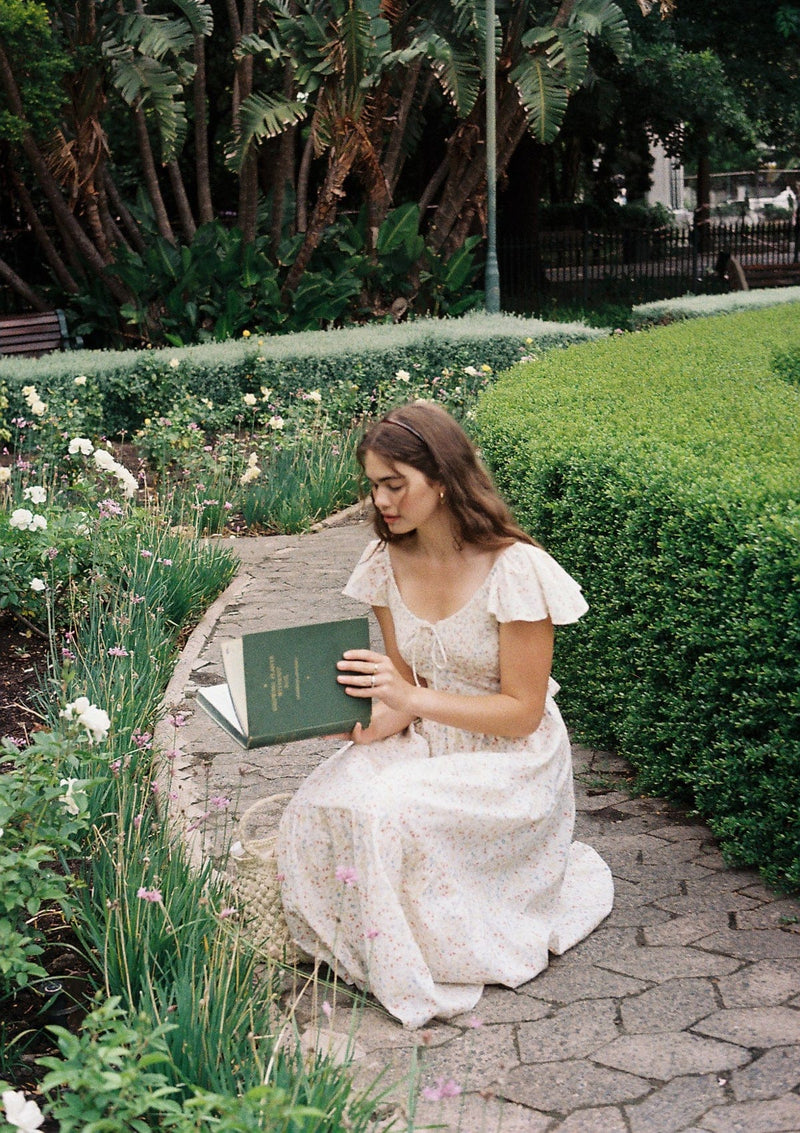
(428, 864)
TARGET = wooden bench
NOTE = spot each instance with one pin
(741, 277)
(36, 333)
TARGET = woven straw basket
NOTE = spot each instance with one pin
(257, 887)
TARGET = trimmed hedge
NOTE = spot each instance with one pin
(145, 383)
(662, 470)
(662, 311)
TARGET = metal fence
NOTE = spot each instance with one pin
(637, 264)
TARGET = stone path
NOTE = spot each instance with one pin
(680, 1013)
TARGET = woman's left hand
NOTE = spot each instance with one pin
(366, 674)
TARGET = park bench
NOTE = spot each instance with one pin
(741, 277)
(36, 333)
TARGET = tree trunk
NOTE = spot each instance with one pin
(52, 189)
(130, 227)
(181, 200)
(284, 171)
(702, 213)
(205, 206)
(60, 269)
(341, 162)
(9, 276)
(248, 175)
(150, 175)
(302, 186)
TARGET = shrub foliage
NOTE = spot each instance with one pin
(662, 470)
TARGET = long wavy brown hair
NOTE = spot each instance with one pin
(425, 436)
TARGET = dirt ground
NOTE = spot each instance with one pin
(23, 661)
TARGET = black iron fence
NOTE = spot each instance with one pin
(638, 264)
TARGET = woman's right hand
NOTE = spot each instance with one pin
(385, 722)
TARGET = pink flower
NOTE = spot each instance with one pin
(228, 911)
(220, 802)
(146, 554)
(178, 720)
(372, 933)
(136, 599)
(137, 821)
(474, 1021)
(118, 651)
(442, 1089)
(347, 875)
(152, 895)
(327, 1010)
(142, 739)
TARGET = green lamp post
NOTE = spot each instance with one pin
(492, 280)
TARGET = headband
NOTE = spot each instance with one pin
(408, 429)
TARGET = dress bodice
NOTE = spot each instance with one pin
(461, 653)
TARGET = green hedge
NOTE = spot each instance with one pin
(134, 385)
(662, 311)
(662, 470)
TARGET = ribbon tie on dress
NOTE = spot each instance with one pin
(438, 655)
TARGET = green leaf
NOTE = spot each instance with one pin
(543, 96)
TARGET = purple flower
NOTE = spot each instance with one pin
(442, 1089)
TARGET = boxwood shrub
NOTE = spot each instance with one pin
(662, 470)
(662, 311)
(137, 384)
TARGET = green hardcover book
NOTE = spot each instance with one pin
(281, 684)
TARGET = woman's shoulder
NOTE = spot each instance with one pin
(529, 585)
(370, 578)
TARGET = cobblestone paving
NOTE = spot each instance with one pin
(680, 1013)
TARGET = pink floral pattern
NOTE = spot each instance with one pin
(423, 867)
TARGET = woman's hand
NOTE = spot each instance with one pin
(366, 674)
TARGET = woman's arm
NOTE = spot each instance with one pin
(385, 720)
(526, 652)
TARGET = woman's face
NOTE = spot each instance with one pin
(403, 495)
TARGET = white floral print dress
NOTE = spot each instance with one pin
(431, 863)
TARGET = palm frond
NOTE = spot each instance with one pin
(456, 71)
(197, 14)
(543, 96)
(264, 116)
(605, 20)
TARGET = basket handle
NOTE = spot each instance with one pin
(254, 808)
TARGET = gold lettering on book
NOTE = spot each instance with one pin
(272, 684)
(297, 678)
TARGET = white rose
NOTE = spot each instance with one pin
(252, 472)
(174, 363)
(96, 722)
(82, 445)
(5, 475)
(250, 399)
(103, 459)
(128, 481)
(38, 584)
(22, 519)
(26, 1115)
(80, 380)
(314, 395)
(276, 422)
(38, 523)
(36, 494)
(75, 708)
(38, 407)
(403, 376)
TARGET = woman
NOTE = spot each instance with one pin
(434, 853)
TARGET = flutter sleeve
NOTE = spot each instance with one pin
(369, 582)
(528, 585)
